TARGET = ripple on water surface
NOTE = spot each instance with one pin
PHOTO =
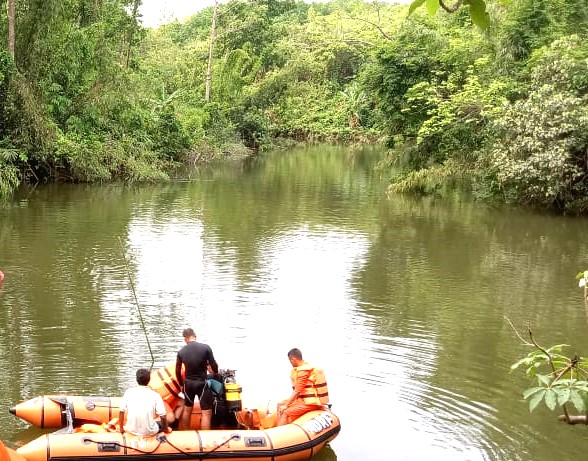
(426, 421)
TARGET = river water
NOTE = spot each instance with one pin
(405, 302)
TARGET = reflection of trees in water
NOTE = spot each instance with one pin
(459, 269)
(439, 246)
(49, 250)
(63, 242)
(453, 268)
(323, 186)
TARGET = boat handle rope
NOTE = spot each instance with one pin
(88, 440)
(163, 438)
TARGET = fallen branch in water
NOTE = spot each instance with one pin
(573, 419)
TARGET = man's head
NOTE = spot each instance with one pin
(295, 357)
(143, 376)
(189, 335)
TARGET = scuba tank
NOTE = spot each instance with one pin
(232, 391)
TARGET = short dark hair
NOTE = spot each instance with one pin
(143, 376)
(188, 332)
(295, 353)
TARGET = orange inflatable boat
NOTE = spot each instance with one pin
(299, 440)
(87, 434)
(73, 411)
(54, 411)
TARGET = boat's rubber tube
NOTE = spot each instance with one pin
(8, 454)
(299, 440)
(50, 411)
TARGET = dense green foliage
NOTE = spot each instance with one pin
(499, 108)
(503, 111)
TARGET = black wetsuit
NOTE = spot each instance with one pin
(196, 356)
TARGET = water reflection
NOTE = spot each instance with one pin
(401, 300)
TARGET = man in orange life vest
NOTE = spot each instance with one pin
(309, 392)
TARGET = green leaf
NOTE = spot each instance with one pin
(526, 361)
(578, 401)
(544, 379)
(414, 5)
(581, 386)
(557, 348)
(536, 399)
(432, 7)
(550, 399)
(563, 395)
(529, 392)
(478, 14)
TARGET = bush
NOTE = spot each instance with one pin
(540, 154)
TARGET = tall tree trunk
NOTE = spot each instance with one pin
(210, 49)
(11, 10)
(89, 12)
(132, 29)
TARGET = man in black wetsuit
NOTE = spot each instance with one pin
(195, 357)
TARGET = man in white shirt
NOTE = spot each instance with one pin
(139, 407)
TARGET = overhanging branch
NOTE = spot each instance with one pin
(451, 9)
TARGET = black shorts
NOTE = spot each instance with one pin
(193, 388)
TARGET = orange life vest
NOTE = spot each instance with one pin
(166, 384)
(316, 391)
(110, 426)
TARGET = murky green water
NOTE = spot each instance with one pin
(402, 301)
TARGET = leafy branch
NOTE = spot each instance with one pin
(477, 8)
(451, 9)
(562, 381)
(373, 24)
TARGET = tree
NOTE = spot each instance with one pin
(540, 147)
(11, 10)
(132, 29)
(210, 50)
